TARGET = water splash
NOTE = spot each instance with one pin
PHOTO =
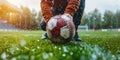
(3, 55)
(65, 49)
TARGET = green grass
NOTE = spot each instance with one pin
(28, 45)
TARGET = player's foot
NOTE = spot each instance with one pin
(44, 36)
(76, 37)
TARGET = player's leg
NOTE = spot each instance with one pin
(43, 27)
(77, 19)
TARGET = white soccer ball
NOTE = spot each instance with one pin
(60, 30)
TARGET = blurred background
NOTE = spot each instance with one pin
(26, 15)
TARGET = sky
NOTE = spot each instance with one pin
(101, 5)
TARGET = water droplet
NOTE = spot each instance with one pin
(38, 47)
(23, 43)
(3, 55)
(59, 48)
(63, 55)
(55, 47)
(13, 58)
(12, 50)
(94, 57)
(81, 48)
(71, 53)
(51, 54)
(33, 50)
(32, 57)
(38, 40)
(113, 57)
(26, 48)
(65, 49)
(45, 56)
(17, 48)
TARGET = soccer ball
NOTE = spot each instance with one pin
(60, 30)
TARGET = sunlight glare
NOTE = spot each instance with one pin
(15, 2)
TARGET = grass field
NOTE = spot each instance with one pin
(28, 45)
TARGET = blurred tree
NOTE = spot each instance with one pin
(28, 20)
(116, 19)
(39, 16)
(26, 17)
(93, 19)
(108, 19)
(5, 11)
(33, 21)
